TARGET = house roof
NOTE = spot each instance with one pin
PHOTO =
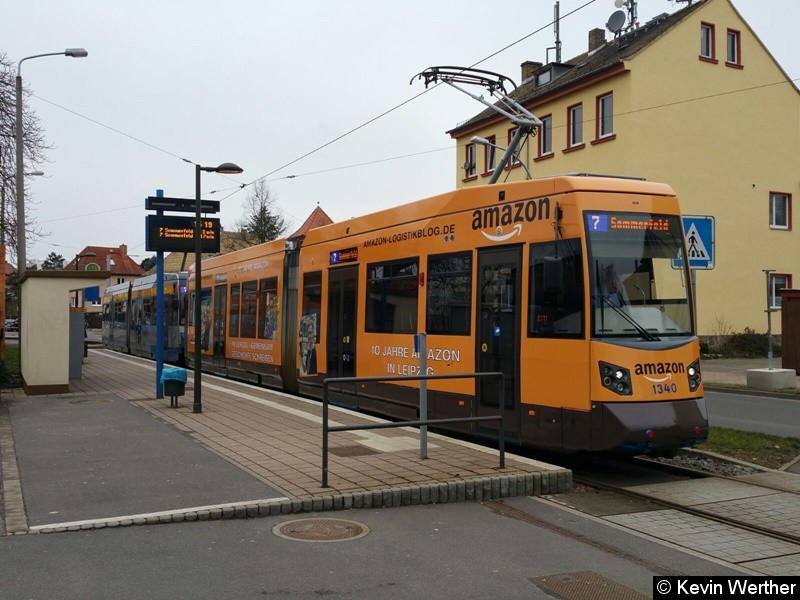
(317, 218)
(585, 67)
(114, 260)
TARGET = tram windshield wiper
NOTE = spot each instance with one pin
(645, 334)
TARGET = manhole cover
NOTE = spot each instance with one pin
(89, 401)
(320, 530)
(585, 585)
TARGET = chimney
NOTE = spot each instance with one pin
(529, 68)
(597, 37)
(123, 249)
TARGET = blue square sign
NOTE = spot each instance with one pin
(699, 232)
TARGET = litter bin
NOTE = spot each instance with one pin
(174, 381)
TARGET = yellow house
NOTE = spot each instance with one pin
(692, 99)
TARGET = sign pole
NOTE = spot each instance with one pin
(159, 349)
(422, 348)
(769, 320)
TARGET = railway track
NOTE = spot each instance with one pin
(764, 503)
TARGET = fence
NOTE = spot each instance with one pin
(420, 423)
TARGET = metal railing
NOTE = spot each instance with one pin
(425, 422)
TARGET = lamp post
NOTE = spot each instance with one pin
(80, 256)
(21, 258)
(228, 169)
(21, 254)
(3, 260)
(77, 258)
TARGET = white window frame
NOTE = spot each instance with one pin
(605, 115)
(707, 40)
(774, 199)
(546, 136)
(575, 116)
(734, 45)
(490, 155)
(777, 282)
(469, 161)
(515, 161)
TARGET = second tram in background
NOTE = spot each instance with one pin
(572, 286)
(129, 317)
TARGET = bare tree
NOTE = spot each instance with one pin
(262, 221)
(34, 148)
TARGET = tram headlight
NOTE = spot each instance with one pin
(693, 373)
(617, 379)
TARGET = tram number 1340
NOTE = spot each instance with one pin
(665, 388)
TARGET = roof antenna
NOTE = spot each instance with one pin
(633, 14)
(617, 20)
(556, 29)
(495, 84)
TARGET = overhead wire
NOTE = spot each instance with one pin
(239, 186)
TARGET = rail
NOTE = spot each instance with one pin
(326, 429)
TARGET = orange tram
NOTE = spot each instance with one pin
(572, 286)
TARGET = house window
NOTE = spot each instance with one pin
(707, 49)
(514, 162)
(605, 115)
(469, 161)
(546, 136)
(489, 156)
(734, 56)
(780, 210)
(777, 282)
(575, 126)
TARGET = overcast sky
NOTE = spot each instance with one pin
(263, 83)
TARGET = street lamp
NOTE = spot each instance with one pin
(77, 258)
(3, 259)
(227, 169)
(80, 256)
(21, 258)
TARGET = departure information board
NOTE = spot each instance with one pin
(176, 234)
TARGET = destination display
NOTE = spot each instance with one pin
(176, 234)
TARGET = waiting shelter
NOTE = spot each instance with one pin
(51, 334)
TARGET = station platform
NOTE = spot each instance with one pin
(92, 459)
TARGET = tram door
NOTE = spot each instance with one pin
(498, 331)
(220, 306)
(341, 341)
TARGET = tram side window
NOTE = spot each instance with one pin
(312, 301)
(268, 308)
(556, 308)
(235, 305)
(392, 293)
(249, 299)
(448, 303)
(120, 314)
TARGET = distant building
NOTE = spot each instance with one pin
(102, 258)
(692, 99)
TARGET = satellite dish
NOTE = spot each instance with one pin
(616, 22)
(619, 3)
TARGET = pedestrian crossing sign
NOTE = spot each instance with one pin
(699, 232)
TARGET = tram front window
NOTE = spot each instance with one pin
(634, 288)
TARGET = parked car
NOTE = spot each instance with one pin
(12, 324)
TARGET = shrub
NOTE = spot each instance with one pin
(748, 344)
